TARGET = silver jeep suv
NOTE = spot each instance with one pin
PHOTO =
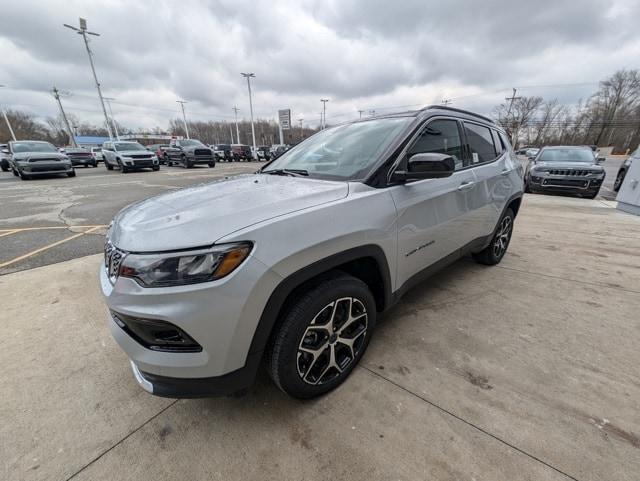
(291, 266)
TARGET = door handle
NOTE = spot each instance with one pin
(466, 186)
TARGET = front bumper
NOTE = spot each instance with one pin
(539, 182)
(44, 168)
(221, 316)
(202, 159)
(140, 163)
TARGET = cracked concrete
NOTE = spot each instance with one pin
(525, 371)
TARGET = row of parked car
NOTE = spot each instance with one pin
(30, 158)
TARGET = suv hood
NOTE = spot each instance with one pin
(39, 155)
(128, 153)
(198, 216)
(570, 165)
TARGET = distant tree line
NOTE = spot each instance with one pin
(610, 117)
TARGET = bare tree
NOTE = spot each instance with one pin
(513, 118)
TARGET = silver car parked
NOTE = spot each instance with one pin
(128, 156)
(291, 266)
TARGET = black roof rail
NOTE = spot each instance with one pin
(461, 111)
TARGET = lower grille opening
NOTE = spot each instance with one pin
(156, 335)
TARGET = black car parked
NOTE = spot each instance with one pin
(572, 170)
(189, 152)
(80, 156)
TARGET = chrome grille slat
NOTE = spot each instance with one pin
(112, 260)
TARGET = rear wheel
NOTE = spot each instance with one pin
(108, 165)
(4, 168)
(71, 174)
(212, 164)
(155, 168)
(24, 176)
(324, 334)
(618, 182)
(496, 250)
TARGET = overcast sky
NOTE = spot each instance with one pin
(361, 54)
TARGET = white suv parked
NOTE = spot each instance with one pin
(291, 266)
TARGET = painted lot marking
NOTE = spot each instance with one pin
(48, 246)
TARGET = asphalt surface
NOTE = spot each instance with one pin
(54, 219)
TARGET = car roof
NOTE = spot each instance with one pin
(430, 111)
(565, 147)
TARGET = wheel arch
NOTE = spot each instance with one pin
(367, 263)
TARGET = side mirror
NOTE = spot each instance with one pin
(427, 166)
(601, 160)
(5, 151)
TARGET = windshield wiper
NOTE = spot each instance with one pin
(290, 172)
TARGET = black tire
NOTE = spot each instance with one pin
(4, 168)
(527, 189)
(295, 374)
(495, 251)
(212, 164)
(155, 168)
(24, 176)
(108, 165)
(95, 163)
(71, 174)
(123, 169)
(618, 182)
(185, 162)
(15, 172)
(167, 161)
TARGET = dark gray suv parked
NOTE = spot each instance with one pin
(564, 169)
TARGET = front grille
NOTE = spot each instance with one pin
(45, 159)
(141, 156)
(571, 172)
(204, 152)
(112, 260)
(566, 183)
(49, 168)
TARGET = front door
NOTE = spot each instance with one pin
(433, 214)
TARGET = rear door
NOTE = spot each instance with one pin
(492, 164)
(433, 214)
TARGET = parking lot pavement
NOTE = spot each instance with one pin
(526, 371)
(49, 213)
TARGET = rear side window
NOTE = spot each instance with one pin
(480, 141)
(496, 141)
(440, 137)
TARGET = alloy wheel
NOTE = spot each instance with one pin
(332, 341)
(502, 237)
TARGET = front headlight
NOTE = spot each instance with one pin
(176, 269)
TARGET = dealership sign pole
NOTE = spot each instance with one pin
(284, 121)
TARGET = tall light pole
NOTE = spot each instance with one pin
(84, 32)
(184, 117)
(248, 76)
(236, 109)
(360, 112)
(6, 119)
(324, 112)
(300, 120)
(231, 134)
(56, 95)
(113, 121)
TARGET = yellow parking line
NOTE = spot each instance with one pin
(47, 247)
(24, 229)
(8, 232)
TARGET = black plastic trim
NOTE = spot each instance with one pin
(233, 383)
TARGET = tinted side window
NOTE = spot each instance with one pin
(496, 141)
(480, 143)
(441, 137)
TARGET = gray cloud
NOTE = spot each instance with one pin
(362, 54)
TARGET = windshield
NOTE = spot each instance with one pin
(567, 155)
(128, 146)
(345, 152)
(19, 147)
(191, 143)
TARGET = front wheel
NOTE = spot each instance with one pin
(4, 168)
(155, 168)
(108, 165)
(71, 174)
(212, 164)
(495, 251)
(325, 332)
